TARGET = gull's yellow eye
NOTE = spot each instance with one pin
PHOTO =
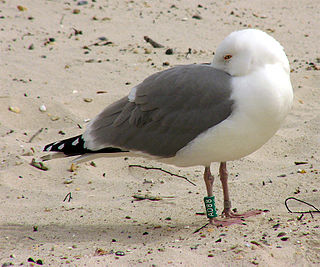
(227, 57)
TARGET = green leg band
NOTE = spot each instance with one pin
(210, 207)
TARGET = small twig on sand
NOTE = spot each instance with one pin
(35, 135)
(199, 229)
(153, 43)
(150, 197)
(68, 195)
(160, 169)
(300, 162)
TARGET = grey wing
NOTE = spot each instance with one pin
(170, 109)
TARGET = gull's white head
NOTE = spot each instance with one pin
(243, 52)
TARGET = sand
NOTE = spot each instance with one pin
(75, 60)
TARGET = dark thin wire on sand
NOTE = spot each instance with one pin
(301, 212)
(160, 169)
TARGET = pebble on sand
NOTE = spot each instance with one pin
(43, 108)
(15, 109)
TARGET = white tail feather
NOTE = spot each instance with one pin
(53, 156)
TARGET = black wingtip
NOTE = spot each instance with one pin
(70, 146)
(75, 146)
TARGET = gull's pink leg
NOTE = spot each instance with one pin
(227, 203)
(209, 179)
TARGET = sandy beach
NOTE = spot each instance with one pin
(62, 62)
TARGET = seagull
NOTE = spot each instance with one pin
(197, 114)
